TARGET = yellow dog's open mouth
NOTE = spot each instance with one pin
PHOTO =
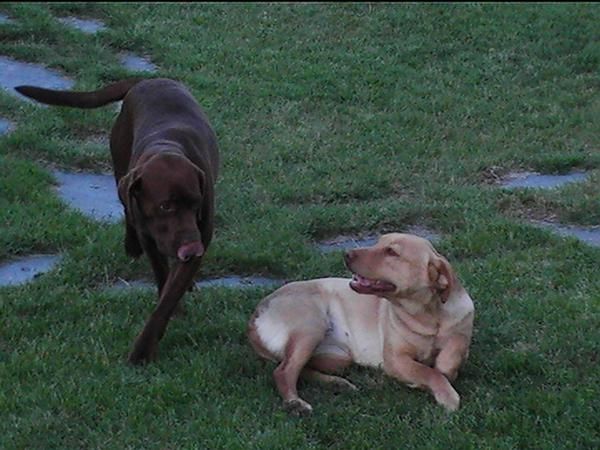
(364, 285)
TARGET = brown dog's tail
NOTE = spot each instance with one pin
(111, 93)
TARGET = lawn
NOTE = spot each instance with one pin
(332, 119)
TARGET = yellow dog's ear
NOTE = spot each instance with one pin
(129, 186)
(441, 276)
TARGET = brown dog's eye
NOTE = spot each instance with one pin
(167, 207)
(390, 251)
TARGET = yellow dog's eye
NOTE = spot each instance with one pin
(390, 251)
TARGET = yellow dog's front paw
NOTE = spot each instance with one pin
(448, 398)
(297, 407)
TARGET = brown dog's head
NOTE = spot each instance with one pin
(169, 199)
(400, 266)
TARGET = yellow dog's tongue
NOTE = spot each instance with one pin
(367, 285)
(363, 281)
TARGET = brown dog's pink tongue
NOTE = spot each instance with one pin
(186, 251)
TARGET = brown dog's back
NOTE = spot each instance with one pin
(187, 123)
(164, 97)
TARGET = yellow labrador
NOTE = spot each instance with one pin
(403, 310)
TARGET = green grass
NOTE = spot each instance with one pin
(331, 119)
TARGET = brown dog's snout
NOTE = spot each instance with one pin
(189, 250)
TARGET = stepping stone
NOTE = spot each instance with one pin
(233, 281)
(5, 19)
(14, 73)
(134, 284)
(25, 269)
(88, 26)
(240, 282)
(5, 126)
(95, 195)
(425, 233)
(589, 235)
(137, 63)
(349, 242)
(346, 243)
(540, 181)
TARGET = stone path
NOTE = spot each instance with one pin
(341, 243)
(88, 26)
(534, 180)
(137, 63)
(13, 73)
(96, 197)
(4, 19)
(539, 181)
(233, 281)
(23, 270)
(5, 126)
(589, 235)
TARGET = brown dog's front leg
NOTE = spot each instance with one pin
(419, 375)
(146, 345)
(159, 263)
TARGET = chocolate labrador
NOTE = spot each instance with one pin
(165, 160)
(404, 310)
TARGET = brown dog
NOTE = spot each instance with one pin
(404, 310)
(165, 160)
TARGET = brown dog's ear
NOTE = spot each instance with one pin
(441, 276)
(128, 187)
(206, 216)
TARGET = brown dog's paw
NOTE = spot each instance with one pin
(145, 350)
(297, 407)
(140, 356)
(180, 310)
